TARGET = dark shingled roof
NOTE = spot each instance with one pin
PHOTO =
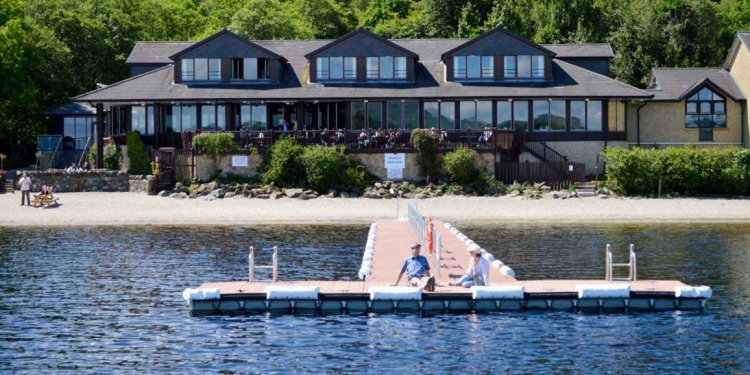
(586, 50)
(673, 83)
(570, 80)
(155, 52)
(70, 109)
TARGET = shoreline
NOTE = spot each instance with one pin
(138, 209)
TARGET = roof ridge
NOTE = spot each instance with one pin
(601, 75)
(690, 67)
(75, 98)
(576, 44)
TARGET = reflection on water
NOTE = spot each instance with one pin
(108, 299)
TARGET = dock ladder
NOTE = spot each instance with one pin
(610, 266)
(274, 266)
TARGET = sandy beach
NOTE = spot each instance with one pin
(141, 209)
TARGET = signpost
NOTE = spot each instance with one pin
(239, 160)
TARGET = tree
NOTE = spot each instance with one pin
(267, 19)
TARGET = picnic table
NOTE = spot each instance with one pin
(44, 200)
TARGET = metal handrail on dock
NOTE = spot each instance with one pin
(610, 265)
(274, 266)
(419, 224)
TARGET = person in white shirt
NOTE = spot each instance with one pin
(25, 184)
(479, 270)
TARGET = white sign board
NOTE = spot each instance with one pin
(395, 173)
(239, 160)
(395, 161)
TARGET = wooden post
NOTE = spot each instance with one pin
(251, 265)
(99, 136)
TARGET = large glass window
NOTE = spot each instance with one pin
(431, 115)
(468, 113)
(537, 66)
(488, 67)
(459, 67)
(214, 69)
(447, 115)
(213, 118)
(395, 120)
(250, 69)
(577, 115)
(594, 115)
(358, 115)
(375, 115)
(411, 114)
(557, 115)
(322, 68)
(705, 109)
(251, 116)
(473, 67)
(373, 68)
(541, 115)
(504, 115)
(259, 116)
(386, 67)
(524, 66)
(150, 124)
(521, 114)
(337, 68)
(187, 69)
(399, 67)
(403, 114)
(138, 119)
(484, 114)
(189, 118)
(78, 129)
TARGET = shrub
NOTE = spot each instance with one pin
(283, 164)
(428, 153)
(112, 156)
(683, 170)
(139, 160)
(356, 176)
(214, 144)
(461, 166)
(324, 166)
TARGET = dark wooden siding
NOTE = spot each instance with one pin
(547, 68)
(274, 66)
(410, 68)
(361, 69)
(449, 69)
(499, 68)
(313, 71)
(177, 70)
(226, 70)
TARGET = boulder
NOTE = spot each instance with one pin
(292, 193)
(306, 196)
(172, 195)
(209, 198)
(263, 196)
(378, 185)
(163, 193)
(211, 186)
(371, 195)
(181, 196)
(193, 195)
(218, 193)
(603, 196)
(276, 195)
(344, 194)
(420, 196)
(230, 194)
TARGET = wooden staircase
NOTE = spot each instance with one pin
(6, 186)
(586, 189)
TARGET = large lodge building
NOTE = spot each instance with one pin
(555, 99)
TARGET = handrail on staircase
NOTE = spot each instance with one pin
(85, 149)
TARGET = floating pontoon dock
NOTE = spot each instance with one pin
(388, 245)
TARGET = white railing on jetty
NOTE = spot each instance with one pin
(274, 266)
(610, 266)
(419, 225)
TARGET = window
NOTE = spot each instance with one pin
(521, 114)
(510, 67)
(337, 67)
(386, 67)
(189, 118)
(468, 115)
(541, 115)
(373, 68)
(250, 69)
(238, 71)
(214, 70)
(187, 69)
(484, 114)
(557, 115)
(431, 115)
(251, 116)
(705, 109)
(358, 114)
(524, 66)
(504, 115)
(150, 124)
(399, 68)
(447, 115)
(473, 67)
(201, 69)
(181, 118)
(350, 68)
(322, 69)
(79, 129)
(375, 115)
(138, 119)
(118, 120)
(488, 67)
(586, 115)
(213, 118)
(537, 67)
(403, 114)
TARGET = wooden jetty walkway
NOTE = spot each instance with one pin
(389, 244)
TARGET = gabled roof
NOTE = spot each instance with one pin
(498, 29)
(673, 84)
(742, 37)
(365, 32)
(222, 33)
(70, 109)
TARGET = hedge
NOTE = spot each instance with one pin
(678, 171)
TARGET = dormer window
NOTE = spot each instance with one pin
(250, 69)
(524, 67)
(336, 68)
(386, 67)
(473, 67)
(201, 69)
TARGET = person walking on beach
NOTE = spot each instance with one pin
(25, 184)
(417, 270)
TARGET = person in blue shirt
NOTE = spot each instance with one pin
(417, 270)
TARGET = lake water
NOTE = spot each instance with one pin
(109, 300)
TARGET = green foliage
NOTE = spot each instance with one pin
(137, 155)
(112, 157)
(356, 176)
(684, 170)
(324, 166)
(461, 165)
(283, 164)
(214, 144)
(428, 153)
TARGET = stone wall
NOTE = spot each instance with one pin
(97, 180)
(140, 184)
(204, 166)
(375, 163)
